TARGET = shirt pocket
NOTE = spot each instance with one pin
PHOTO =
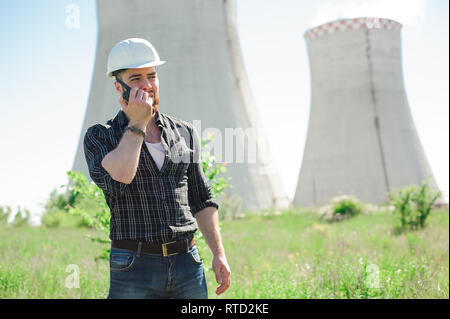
(180, 157)
(180, 152)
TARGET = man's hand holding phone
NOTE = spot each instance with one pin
(139, 108)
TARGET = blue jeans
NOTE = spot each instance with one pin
(148, 276)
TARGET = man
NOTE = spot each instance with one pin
(147, 164)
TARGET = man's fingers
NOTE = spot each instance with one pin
(145, 96)
(139, 96)
(148, 100)
(218, 277)
(219, 280)
(223, 278)
(132, 96)
(222, 288)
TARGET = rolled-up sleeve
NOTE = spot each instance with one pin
(96, 146)
(199, 191)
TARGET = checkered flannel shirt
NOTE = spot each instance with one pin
(158, 205)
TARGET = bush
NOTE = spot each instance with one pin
(90, 204)
(57, 209)
(61, 218)
(230, 206)
(57, 201)
(341, 207)
(212, 169)
(4, 214)
(51, 219)
(412, 205)
(21, 218)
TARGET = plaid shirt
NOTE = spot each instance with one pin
(157, 206)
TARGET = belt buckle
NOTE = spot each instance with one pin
(164, 249)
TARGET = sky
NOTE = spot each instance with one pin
(47, 58)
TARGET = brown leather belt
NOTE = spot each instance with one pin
(167, 249)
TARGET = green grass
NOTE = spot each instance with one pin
(33, 262)
(295, 256)
(292, 255)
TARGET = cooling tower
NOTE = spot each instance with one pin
(203, 80)
(361, 137)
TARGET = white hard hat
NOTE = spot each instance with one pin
(132, 53)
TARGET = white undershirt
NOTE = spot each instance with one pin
(157, 152)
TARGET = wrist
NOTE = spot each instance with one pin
(136, 130)
(218, 252)
(219, 258)
(140, 125)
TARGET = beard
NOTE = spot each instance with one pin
(156, 101)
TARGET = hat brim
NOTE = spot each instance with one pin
(137, 66)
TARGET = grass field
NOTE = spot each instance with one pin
(291, 255)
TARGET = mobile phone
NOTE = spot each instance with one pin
(126, 92)
(127, 89)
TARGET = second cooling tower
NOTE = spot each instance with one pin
(361, 138)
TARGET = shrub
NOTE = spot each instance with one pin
(58, 206)
(21, 218)
(61, 218)
(57, 201)
(5, 212)
(51, 219)
(341, 207)
(218, 184)
(212, 169)
(230, 206)
(412, 205)
(91, 204)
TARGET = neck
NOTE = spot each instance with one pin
(153, 132)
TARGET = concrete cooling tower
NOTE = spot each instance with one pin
(361, 137)
(203, 80)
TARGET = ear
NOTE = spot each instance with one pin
(118, 87)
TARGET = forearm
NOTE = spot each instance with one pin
(122, 162)
(208, 222)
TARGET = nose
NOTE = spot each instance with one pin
(147, 86)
